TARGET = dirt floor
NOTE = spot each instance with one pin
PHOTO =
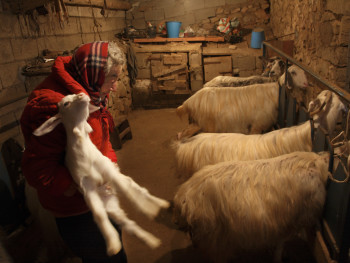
(149, 160)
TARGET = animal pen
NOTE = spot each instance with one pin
(333, 236)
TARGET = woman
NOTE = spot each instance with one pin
(93, 69)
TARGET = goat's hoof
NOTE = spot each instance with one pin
(114, 248)
(153, 242)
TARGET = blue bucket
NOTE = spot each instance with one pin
(258, 36)
(173, 29)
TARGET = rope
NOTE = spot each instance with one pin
(344, 153)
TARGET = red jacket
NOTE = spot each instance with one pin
(43, 158)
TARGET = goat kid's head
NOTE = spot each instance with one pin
(296, 78)
(326, 110)
(274, 67)
(72, 110)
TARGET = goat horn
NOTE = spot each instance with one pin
(328, 97)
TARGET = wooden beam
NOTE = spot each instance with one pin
(110, 4)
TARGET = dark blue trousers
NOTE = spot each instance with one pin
(82, 236)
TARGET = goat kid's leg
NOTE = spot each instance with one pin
(147, 203)
(117, 214)
(99, 212)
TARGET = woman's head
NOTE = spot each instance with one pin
(115, 61)
(95, 62)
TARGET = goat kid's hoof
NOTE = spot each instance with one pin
(114, 248)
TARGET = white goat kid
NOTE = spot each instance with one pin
(210, 148)
(98, 178)
(274, 69)
(248, 109)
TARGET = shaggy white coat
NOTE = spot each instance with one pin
(209, 148)
(248, 109)
(273, 69)
(239, 206)
(98, 178)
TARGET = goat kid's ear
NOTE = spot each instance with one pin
(48, 125)
(93, 108)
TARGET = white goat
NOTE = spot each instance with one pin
(273, 69)
(246, 206)
(98, 178)
(248, 109)
(210, 148)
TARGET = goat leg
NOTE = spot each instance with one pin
(97, 207)
(147, 203)
(117, 214)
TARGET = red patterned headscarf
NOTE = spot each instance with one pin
(87, 67)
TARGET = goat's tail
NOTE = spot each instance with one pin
(181, 111)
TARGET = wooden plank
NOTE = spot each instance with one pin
(110, 4)
(14, 105)
(215, 51)
(180, 39)
(167, 88)
(214, 66)
(176, 83)
(168, 71)
(172, 59)
(195, 47)
(171, 77)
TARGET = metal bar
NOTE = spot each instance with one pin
(342, 93)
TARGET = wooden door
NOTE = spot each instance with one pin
(169, 73)
(215, 66)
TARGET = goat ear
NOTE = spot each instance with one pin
(48, 125)
(93, 108)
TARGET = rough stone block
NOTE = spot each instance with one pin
(244, 62)
(138, 15)
(24, 48)
(186, 20)
(10, 74)
(12, 93)
(90, 37)
(344, 30)
(211, 3)
(143, 60)
(155, 14)
(195, 59)
(54, 27)
(246, 73)
(138, 23)
(144, 73)
(6, 54)
(204, 14)
(9, 26)
(234, 2)
(196, 85)
(194, 5)
(338, 6)
(68, 42)
(109, 24)
(174, 10)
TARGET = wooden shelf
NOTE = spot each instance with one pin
(180, 39)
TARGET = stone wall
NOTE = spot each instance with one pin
(24, 37)
(320, 30)
(202, 15)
